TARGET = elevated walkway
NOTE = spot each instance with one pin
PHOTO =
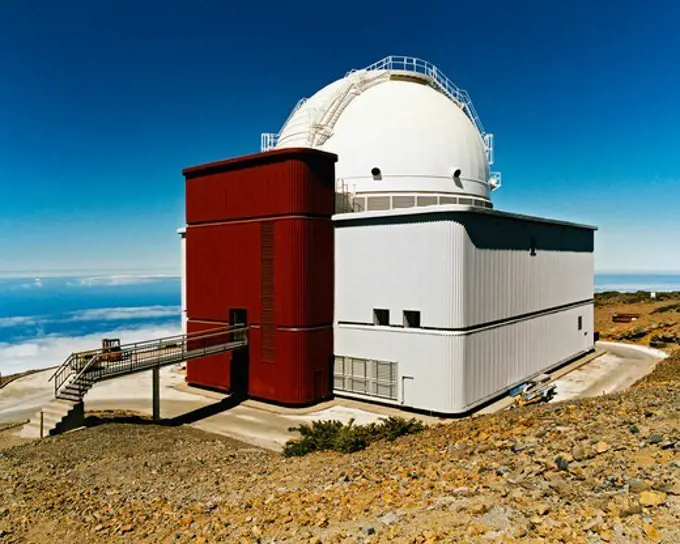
(80, 371)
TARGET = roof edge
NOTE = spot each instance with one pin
(448, 208)
(245, 161)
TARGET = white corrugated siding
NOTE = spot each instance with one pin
(463, 270)
(415, 266)
(502, 283)
(430, 358)
(500, 357)
(454, 372)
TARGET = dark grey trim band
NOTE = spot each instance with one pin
(487, 324)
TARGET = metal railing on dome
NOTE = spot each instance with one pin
(270, 139)
(443, 83)
(411, 65)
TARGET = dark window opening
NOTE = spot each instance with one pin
(580, 323)
(381, 317)
(411, 319)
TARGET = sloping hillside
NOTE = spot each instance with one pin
(597, 470)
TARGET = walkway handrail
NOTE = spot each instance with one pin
(138, 356)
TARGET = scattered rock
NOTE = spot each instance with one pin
(652, 498)
(602, 447)
(578, 453)
(636, 485)
(631, 510)
(389, 519)
(655, 438)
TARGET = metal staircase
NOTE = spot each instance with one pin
(80, 371)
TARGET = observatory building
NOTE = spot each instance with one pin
(362, 249)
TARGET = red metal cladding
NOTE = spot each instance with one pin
(213, 371)
(260, 239)
(301, 371)
(224, 271)
(282, 182)
(304, 268)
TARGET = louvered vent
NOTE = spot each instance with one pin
(465, 201)
(427, 201)
(376, 203)
(267, 257)
(448, 200)
(403, 201)
(366, 377)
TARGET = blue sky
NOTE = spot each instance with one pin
(103, 103)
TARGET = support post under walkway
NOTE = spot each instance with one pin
(156, 393)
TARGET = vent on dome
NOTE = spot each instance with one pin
(377, 203)
(448, 200)
(427, 201)
(465, 201)
(403, 201)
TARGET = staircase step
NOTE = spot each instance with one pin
(56, 411)
(69, 397)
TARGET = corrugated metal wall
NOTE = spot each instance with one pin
(213, 371)
(459, 269)
(260, 239)
(261, 185)
(452, 372)
(469, 275)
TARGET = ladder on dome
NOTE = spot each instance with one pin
(269, 140)
(80, 371)
(322, 130)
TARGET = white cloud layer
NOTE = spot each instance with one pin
(97, 314)
(51, 350)
(132, 312)
(18, 320)
(123, 279)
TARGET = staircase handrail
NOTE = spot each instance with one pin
(86, 367)
(67, 362)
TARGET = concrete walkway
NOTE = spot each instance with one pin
(254, 422)
(267, 426)
(620, 367)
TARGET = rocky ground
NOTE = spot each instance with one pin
(658, 324)
(593, 470)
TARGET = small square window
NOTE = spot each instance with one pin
(411, 319)
(381, 317)
(580, 323)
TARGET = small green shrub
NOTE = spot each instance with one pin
(347, 438)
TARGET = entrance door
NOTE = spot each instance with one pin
(239, 358)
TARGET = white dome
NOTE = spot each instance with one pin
(399, 123)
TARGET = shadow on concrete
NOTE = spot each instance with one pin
(114, 416)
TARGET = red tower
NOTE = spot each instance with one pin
(259, 244)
